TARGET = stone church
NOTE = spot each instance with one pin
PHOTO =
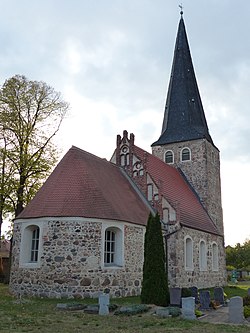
(83, 232)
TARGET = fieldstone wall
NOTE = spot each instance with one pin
(71, 262)
(203, 172)
(179, 277)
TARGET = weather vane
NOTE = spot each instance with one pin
(181, 7)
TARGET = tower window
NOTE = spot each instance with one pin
(185, 154)
(169, 157)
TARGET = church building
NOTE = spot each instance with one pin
(83, 232)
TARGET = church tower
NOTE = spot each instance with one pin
(185, 142)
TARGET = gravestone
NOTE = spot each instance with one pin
(194, 293)
(188, 307)
(219, 295)
(248, 292)
(104, 304)
(92, 309)
(175, 296)
(205, 299)
(235, 310)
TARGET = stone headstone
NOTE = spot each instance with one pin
(188, 307)
(194, 293)
(68, 306)
(162, 312)
(219, 295)
(92, 309)
(205, 299)
(175, 296)
(104, 304)
(235, 310)
(248, 292)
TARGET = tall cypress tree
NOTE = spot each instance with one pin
(154, 285)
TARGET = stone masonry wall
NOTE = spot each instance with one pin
(71, 261)
(179, 277)
(203, 172)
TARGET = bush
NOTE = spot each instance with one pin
(246, 311)
(174, 311)
(155, 283)
(132, 310)
(186, 292)
(246, 300)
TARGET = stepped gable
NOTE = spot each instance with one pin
(84, 185)
(184, 117)
(175, 188)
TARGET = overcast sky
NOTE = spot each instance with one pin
(111, 60)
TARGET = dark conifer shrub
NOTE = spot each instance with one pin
(155, 284)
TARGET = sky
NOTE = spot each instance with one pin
(111, 60)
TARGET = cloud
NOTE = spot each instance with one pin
(112, 60)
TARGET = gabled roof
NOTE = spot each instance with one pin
(84, 185)
(184, 117)
(179, 193)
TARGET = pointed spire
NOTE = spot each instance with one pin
(184, 117)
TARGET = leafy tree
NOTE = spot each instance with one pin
(155, 282)
(239, 256)
(31, 113)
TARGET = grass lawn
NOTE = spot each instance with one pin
(41, 315)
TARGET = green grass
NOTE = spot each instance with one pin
(41, 315)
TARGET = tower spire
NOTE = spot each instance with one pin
(184, 117)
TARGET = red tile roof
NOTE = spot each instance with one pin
(84, 185)
(178, 192)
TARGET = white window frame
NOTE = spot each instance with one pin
(185, 160)
(188, 253)
(117, 251)
(27, 245)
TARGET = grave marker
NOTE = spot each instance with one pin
(205, 299)
(188, 307)
(194, 293)
(235, 310)
(104, 304)
(219, 295)
(175, 296)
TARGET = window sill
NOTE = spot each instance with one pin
(30, 265)
(112, 266)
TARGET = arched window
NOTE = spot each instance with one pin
(215, 262)
(30, 246)
(203, 256)
(185, 154)
(189, 253)
(113, 247)
(169, 157)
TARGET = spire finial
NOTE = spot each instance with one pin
(181, 7)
